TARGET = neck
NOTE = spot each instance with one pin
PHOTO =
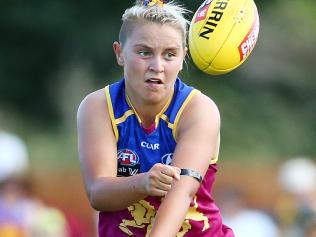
(147, 112)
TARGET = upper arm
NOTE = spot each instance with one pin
(198, 135)
(197, 143)
(96, 140)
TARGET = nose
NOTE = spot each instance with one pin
(157, 65)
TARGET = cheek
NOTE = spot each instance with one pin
(135, 64)
(175, 66)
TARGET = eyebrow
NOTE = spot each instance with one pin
(148, 47)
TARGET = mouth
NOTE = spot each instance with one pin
(154, 81)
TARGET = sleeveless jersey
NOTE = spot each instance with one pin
(138, 151)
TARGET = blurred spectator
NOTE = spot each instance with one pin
(297, 204)
(13, 156)
(20, 214)
(245, 221)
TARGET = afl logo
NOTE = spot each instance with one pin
(127, 157)
(202, 11)
(167, 158)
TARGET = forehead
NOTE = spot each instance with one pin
(155, 34)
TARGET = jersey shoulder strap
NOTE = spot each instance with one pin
(118, 107)
(182, 95)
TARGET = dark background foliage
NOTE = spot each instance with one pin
(53, 53)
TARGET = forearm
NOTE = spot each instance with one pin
(116, 193)
(173, 210)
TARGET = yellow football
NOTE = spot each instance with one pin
(222, 34)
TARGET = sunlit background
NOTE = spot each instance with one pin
(53, 53)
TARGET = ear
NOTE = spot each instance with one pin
(117, 47)
(185, 51)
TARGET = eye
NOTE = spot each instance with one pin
(144, 53)
(170, 55)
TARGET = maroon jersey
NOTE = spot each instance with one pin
(202, 220)
(138, 151)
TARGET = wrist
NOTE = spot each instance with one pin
(142, 184)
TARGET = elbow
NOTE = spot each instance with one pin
(93, 200)
(100, 200)
(97, 202)
(95, 205)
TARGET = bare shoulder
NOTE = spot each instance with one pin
(94, 103)
(200, 111)
(203, 103)
(93, 114)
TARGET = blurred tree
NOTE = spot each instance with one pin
(40, 38)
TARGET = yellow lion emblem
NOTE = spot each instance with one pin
(144, 213)
(194, 215)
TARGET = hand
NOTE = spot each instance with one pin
(158, 180)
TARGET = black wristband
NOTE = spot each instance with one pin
(192, 173)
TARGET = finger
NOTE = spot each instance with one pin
(172, 171)
(168, 170)
(166, 179)
(163, 186)
(159, 193)
(177, 173)
(177, 169)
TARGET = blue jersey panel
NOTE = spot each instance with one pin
(137, 150)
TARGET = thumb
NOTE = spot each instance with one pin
(176, 173)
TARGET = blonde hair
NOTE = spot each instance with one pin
(170, 13)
